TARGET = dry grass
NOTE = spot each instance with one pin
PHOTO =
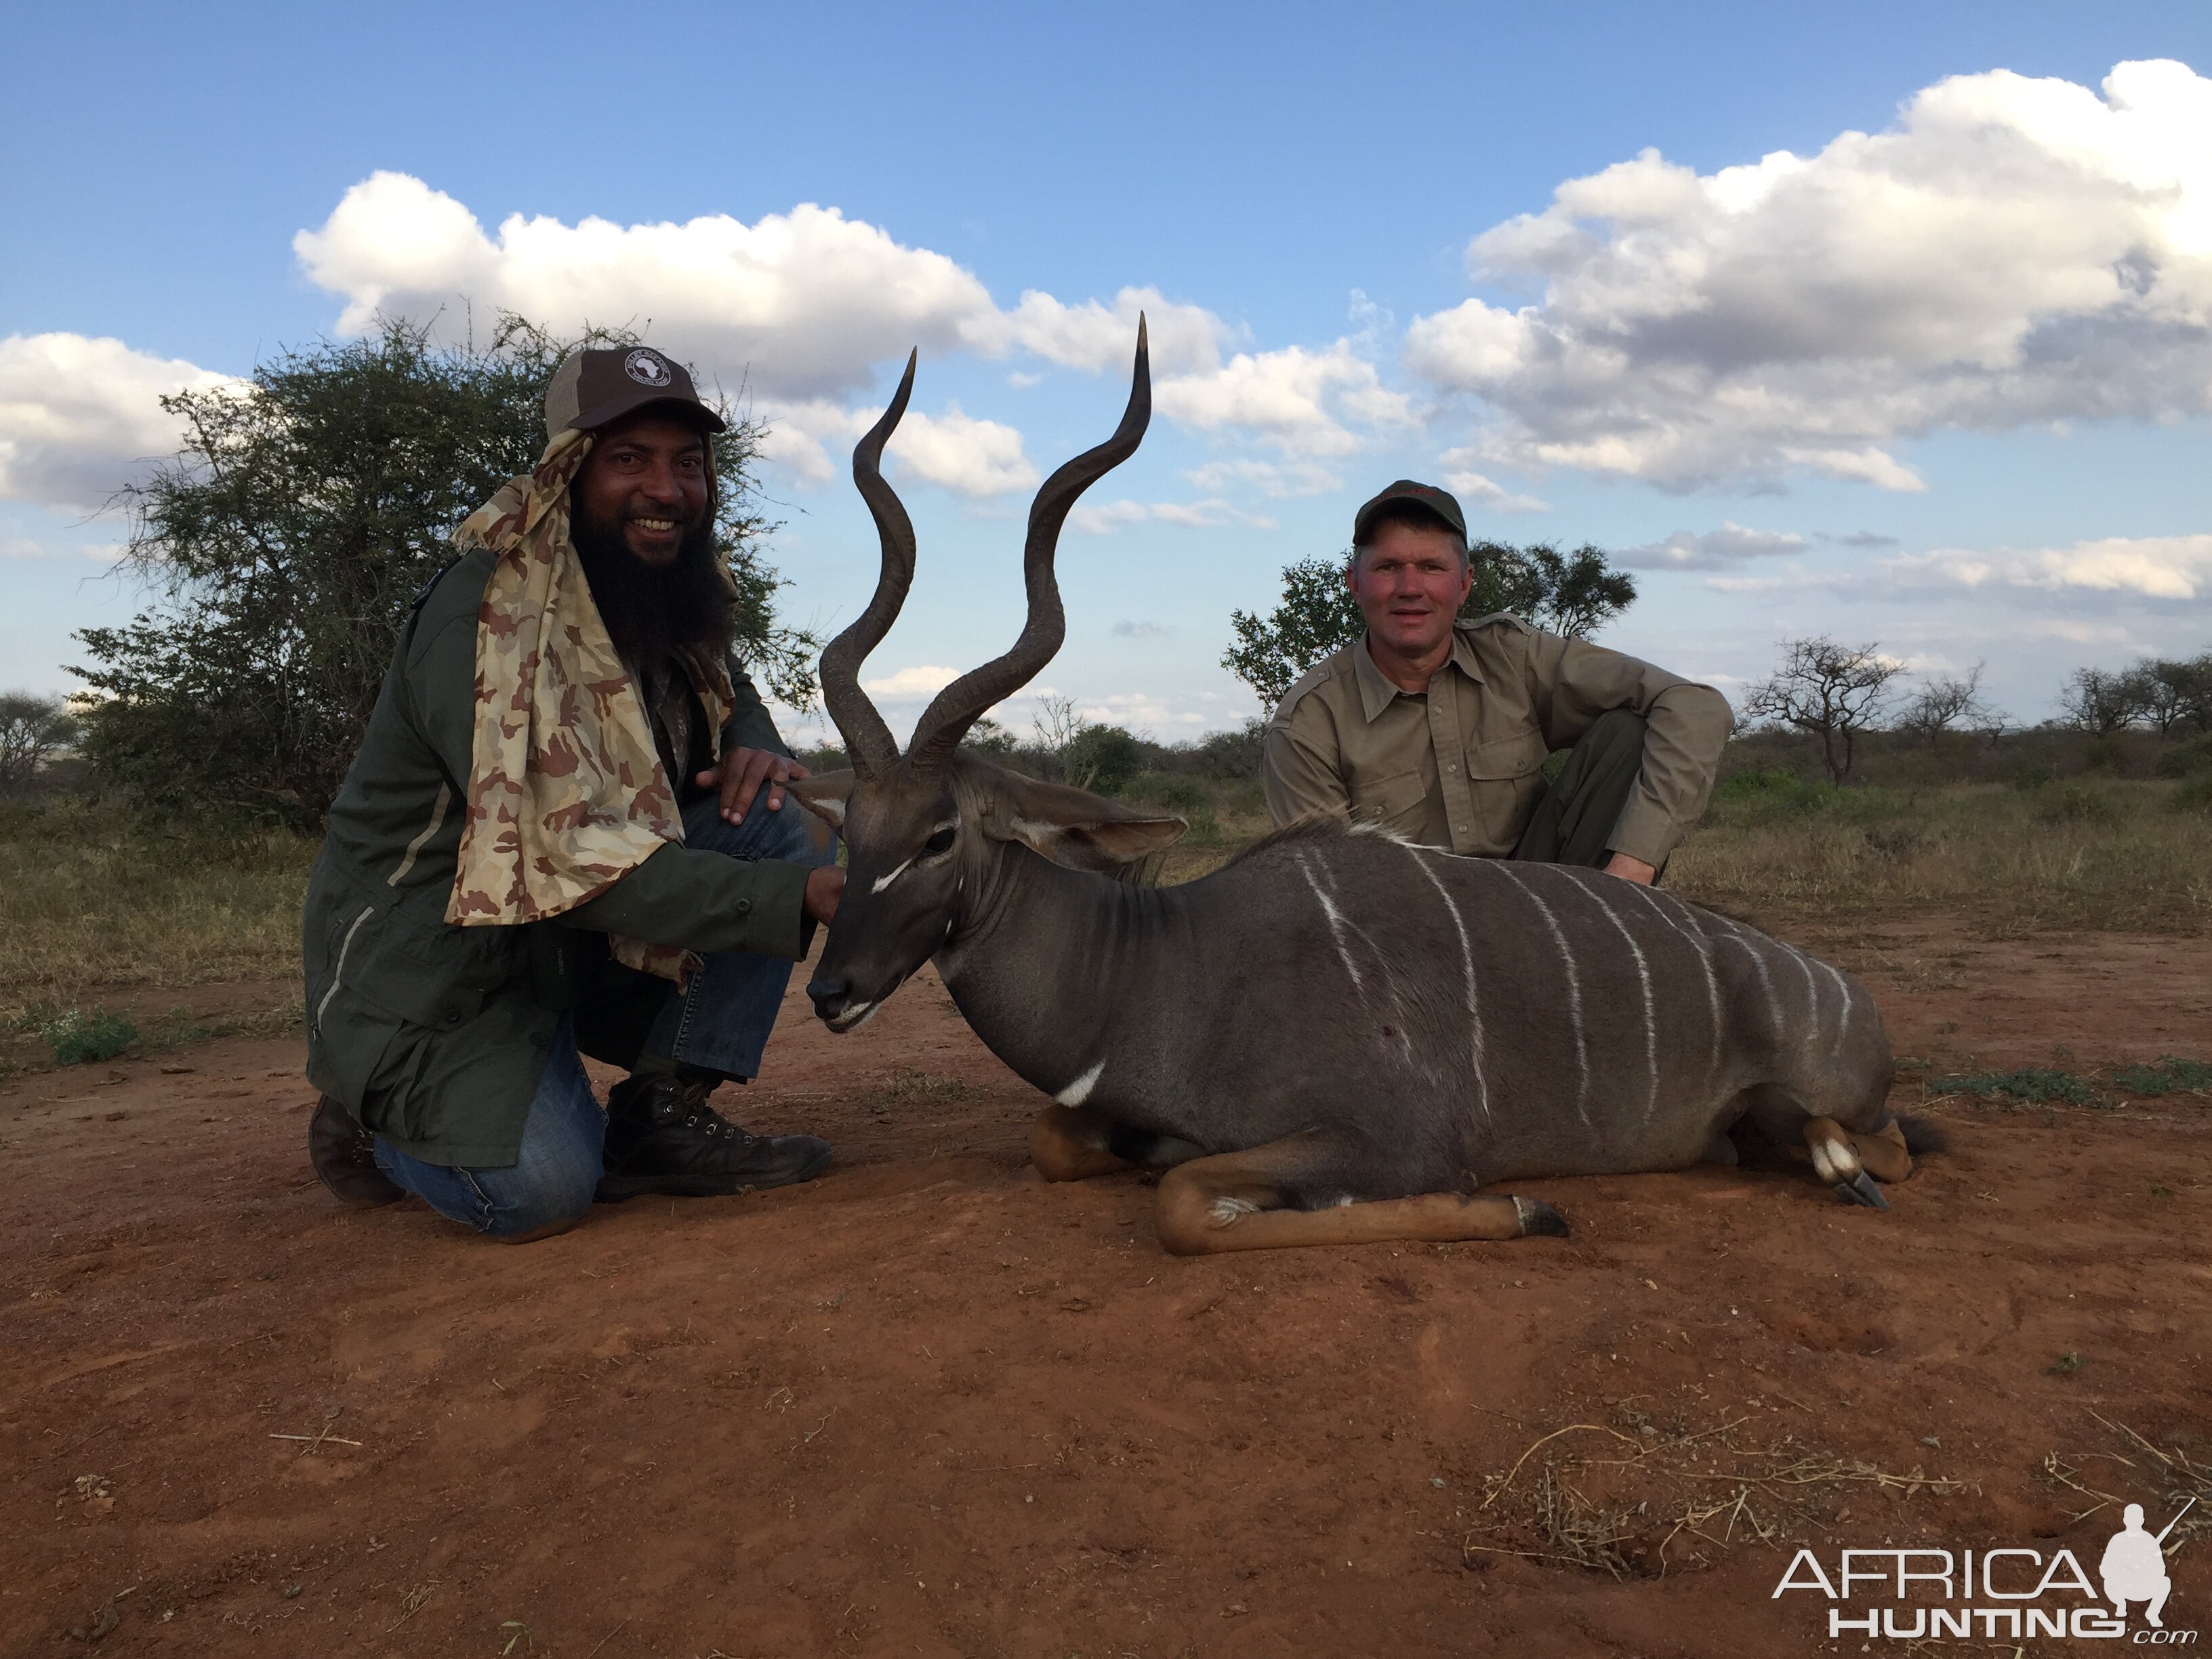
(2182, 1486)
(2111, 853)
(2114, 854)
(1635, 1498)
(86, 903)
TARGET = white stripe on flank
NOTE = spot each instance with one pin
(1080, 1090)
(1842, 1019)
(337, 974)
(1740, 935)
(1467, 965)
(1705, 961)
(1335, 926)
(1650, 1009)
(1574, 991)
(1811, 994)
(416, 845)
(883, 882)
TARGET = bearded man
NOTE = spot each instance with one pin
(565, 834)
(1437, 729)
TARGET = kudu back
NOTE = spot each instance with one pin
(1338, 1036)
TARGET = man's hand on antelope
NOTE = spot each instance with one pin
(742, 773)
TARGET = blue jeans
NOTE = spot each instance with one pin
(720, 1021)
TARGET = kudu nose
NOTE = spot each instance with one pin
(828, 996)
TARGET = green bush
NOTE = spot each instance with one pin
(2195, 794)
(2187, 759)
(2077, 803)
(76, 1036)
(1103, 759)
(1184, 795)
(1768, 796)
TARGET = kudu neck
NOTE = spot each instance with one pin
(1039, 955)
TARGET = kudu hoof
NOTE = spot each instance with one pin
(1861, 1189)
(1539, 1219)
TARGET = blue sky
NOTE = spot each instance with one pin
(1945, 387)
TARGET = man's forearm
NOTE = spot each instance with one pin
(706, 901)
(1686, 728)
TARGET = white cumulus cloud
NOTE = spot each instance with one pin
(2173, 568)
(958, 453)
(1306, 404)
(1717, 549)
(911, 684)
(2010, 251)
(77, 416)
(1275, 479)
(1142, 713)
(800, 304)
(1182, 338)
(813, 437)
(1469, 485)
(801, 308)
(1098, 519)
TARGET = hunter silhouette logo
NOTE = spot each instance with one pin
(647, 368)
(2134, 1567)
(1929, 1592)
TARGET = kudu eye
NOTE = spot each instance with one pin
(941, 841)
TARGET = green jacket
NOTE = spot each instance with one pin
(433, 1035)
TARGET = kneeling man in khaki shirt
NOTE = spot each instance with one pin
(1438, 729)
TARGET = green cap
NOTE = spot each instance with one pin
(1427, 497)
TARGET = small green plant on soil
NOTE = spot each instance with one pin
(2172, 1075)
(76, 1037)
(2065, 1365)
(2036, 1085)
(2033, 1085)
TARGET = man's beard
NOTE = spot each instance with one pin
(652, 611)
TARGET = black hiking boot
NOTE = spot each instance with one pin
(345, 1156)
(663, 1137)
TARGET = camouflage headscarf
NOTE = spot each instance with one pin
(566, 790)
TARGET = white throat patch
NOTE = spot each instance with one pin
(1080, 1090)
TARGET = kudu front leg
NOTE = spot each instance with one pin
(1073, 1143)
(1256, 1201)
(1852, 1163)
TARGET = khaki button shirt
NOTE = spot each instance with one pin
(1461, 766)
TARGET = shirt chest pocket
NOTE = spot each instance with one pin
(1504, 777)
(1395, 800)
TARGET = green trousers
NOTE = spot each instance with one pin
(1578, 812)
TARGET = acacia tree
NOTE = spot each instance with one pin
(2101, 700)
(31, 729)
(284, 543)
(2172, 692)
(1946, 703)
(1834, 691)
(1572, 594)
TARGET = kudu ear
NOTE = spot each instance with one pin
(1071, 827)
(824, 795)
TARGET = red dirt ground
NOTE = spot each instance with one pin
(927, 1405)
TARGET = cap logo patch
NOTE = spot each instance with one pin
(647, 369)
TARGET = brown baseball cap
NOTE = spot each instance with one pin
(1428, 497)
(605, 383)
